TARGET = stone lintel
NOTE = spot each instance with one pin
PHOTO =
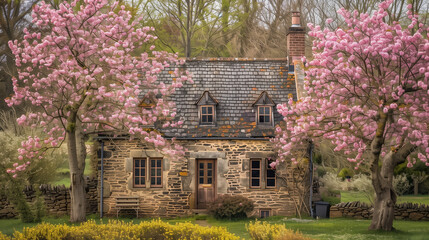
(145, 153)
(207, 155)
(259, 154)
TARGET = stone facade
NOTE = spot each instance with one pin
(405, 211)
(56, 198)
(177, 197)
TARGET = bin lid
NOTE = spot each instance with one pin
(323, 203)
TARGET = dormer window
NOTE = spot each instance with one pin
(207, 109)
(207, 115)
(264, 109)
(264, 114)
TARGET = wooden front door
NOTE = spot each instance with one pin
(205, 183)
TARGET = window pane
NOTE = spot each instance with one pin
(201, 165)
(152, 172)
(158, 163)
(267, 119)
(261, 119)
(142, 172)
(152, 181)
(201, 173)
(209, 180)
(136, 181)
(255, 173)
(201, 180)
(152, 163)
(143, 162)
(271, 173)
(158, 172)
(209, 173)
(209, 110)
(158, 181)
(267, 110)
(271, 182)
(204, 118)
(142, 181)
(204, 110)
(209, 165)
(210, 118)
(255, 182)
(256, 164)
(136, 172)
(137, 163)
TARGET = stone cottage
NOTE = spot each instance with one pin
(229, 117)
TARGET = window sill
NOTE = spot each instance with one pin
(207, 125)
(262, 189)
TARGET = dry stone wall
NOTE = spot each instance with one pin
(404, 211)
(56, 199)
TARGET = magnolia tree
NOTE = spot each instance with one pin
(367, 92)
(80, 71)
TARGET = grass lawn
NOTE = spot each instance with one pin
(318, 229)
(357, 196)
(65, 173)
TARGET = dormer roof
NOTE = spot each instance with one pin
(264, 100)
(206, 99)
(148, 101)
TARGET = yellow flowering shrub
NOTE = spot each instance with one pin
(3, 237)
(265, 231)
(155, 229)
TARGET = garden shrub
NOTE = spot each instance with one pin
(231, 207)
(155, 229)
(401, 184)
(345, 173)
(265, 231)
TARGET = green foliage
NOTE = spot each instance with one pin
(265, 231)
(401, 184)
(28, 212)
(155, 229)
(40, 171)
(345, 173)
(231, 207)
(424, 187)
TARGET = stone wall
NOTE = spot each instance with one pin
(177, 196)
(56, 198)
(406, 211)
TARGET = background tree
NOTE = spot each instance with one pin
(14, 17)
(84, 78)
(367, 93)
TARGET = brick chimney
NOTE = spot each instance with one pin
(295, 38)
(295, 51)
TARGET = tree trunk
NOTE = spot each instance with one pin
(416, 186)
(77, 155)
(383, 214)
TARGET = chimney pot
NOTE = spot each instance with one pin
(296, 19)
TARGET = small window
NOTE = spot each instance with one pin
(271, 175)
(264, 213)
(140, 168)
(155, 172)
(262, 175)
(207, 114)
(255, 173)
(139, 172)
(264, 115)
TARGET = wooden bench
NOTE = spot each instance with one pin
(127, 202)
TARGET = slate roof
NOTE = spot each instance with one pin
(236, 84)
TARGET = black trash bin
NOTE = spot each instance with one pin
(322, 209)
